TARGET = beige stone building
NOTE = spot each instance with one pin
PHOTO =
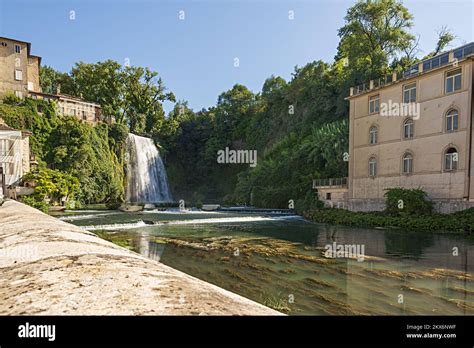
(413, 130)
(19, 74)
(72, 106)
(19, 69)
(14, 156)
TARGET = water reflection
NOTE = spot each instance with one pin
(149, 248)
(403, 273)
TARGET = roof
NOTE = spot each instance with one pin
(70, 97)
(433, 63)
(4, 127)
(28, 44)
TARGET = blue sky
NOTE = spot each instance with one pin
(195, 56)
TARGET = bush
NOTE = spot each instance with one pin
(32, 202)
(462, 222)
(401, 201)
(51, 186)
(12, 99)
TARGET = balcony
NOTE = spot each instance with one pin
(330, 183)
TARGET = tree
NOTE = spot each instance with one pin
(375, 32)
(102, 83)
(445, 37)
(144, 94)
(52, 80)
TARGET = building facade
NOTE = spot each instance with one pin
(19, 74)
(19, 69)
(72, 106)
(414, 130)
(14, 155)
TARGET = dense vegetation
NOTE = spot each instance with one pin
(462, 222)
(298, 127)
(75, 150)
(407, 209)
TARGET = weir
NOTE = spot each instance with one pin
(147, 181)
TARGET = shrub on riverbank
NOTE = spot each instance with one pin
(462, 222)
(400, 201)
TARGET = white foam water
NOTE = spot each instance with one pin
(141, 223)
(85, 216)
(146, 174)
(113, 227)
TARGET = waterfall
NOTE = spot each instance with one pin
(146, 174)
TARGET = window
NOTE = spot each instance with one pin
(453, 81)
(407, 163)
(372, 166)
(30, 86)
(17, 49)
(373, 135)
(5, 146)
(84, 117)
(7, 168)
(409, 93)
(452, 120)
(451, 159)
(18, 75)
(408, 127)
(328, 196)
(374, 104)
(19, 94)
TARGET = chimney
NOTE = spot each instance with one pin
(58, 89)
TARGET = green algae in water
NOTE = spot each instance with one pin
(281, 264)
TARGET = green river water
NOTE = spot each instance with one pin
(280, 261)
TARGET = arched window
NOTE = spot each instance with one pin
(451, 159)
(408, 129)
(407, 163)
(452, 120)
(372, 166)
(373, 135)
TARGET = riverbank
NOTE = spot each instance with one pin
(50, 267)
(459, 222)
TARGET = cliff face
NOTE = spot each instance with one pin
(49, 267)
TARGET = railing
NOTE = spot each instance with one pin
(332, 182)
(427, 64)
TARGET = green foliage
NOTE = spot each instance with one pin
(12, 99)
(51, 186)
(83, 150)
(73, 147)
(133, 95)
(400, 201)
(51, 80)
(374, 32)
(37, 204)
(461, 222)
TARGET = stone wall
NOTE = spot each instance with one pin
(50, 267)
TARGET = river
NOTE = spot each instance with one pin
(281, 261)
